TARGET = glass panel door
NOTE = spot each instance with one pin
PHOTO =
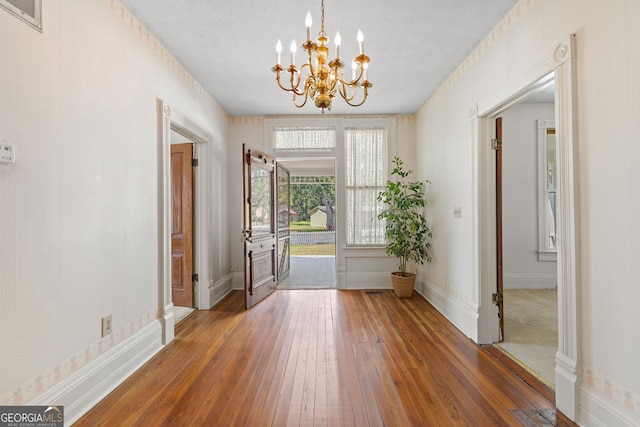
(284, 221)
(259, 225)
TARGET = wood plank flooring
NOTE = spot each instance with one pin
(320, 358)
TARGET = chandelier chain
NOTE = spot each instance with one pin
(322, 19)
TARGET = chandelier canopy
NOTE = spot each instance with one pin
(324, 79)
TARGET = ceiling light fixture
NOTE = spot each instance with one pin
(323, 80)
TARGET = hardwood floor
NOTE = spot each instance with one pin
(321, 358)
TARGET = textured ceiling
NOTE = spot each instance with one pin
(229, 45)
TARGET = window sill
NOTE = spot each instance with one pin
(550, 256)
(366, 251)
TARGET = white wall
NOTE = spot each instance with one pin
(249, 131)
(608, 128)
(521, 267)
(80, 207)
(357, 268)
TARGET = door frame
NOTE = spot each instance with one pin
(561, 65)
(305, 156)
(168, 120)
(499, 236)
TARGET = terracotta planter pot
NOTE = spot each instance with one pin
(403, 285)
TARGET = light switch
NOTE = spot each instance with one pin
(7, 154)
(457, 212)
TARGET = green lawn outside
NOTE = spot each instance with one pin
(327, 249)
(313, 249)
(305, 226)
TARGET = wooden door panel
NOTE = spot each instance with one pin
(262, 267)
(177, 160)
(182, 224)
(176, 270)
(499, 255)
(259, 225)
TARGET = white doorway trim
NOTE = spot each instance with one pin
(177, 121)
(312, 166)
(559, 64)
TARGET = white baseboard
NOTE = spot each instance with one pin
(82, 390)
(567, 386)
(341, 278)
(530, 280)
(220, 289)
(463, 316)
(237, 282)
(596, 411)
(367, 280)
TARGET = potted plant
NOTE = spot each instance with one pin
(406, 227)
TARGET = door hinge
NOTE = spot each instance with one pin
(496, 144)
(195, 277)
(497, 298)
(194, 162)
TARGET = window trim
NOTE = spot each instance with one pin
(271, 124)
(346, 187)
(340, 123)
(545, 253)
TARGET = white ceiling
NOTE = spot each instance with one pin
(229, 45)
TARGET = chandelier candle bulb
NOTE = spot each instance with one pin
(361, 41)
(353, 70)
(279, 50)
(308, 21)
(294, 47)
(338, 41)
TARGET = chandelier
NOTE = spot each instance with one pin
(323, 80)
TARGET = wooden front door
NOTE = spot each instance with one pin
(260, 252)
(182, 224)
(500, 273)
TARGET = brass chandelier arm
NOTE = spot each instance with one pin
(294, 86)
(309, 92)
(342, 89)
(343, 92)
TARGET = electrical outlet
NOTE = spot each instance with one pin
(106, 325)
(7, 154)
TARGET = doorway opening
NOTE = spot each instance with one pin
(183, 273)
(526, 224)
(525, 249)
(313, 223)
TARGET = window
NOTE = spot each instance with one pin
(365, 176)
(30, 11)
(548, 191)
(304, 138)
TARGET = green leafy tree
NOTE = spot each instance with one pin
(307, 193)
(406, 226)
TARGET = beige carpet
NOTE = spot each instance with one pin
(531, 329)
(182, 313)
